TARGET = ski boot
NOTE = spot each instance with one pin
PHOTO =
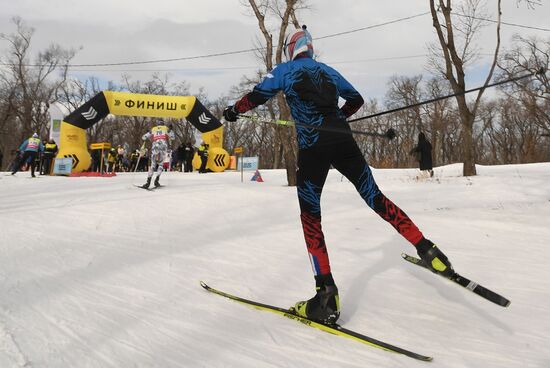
(324, 307)
(157, 184)
(146, 185)
(436, 261)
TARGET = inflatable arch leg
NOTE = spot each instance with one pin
(218, 158)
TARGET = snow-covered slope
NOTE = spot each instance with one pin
(95, 272)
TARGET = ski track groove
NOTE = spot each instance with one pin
(75, 338)
(10, 350)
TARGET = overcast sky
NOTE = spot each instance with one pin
(121, 31)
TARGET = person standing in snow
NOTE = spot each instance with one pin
(111, 159)
(180, 157)
(423, 152)
(203, 154)
(30, 148)
(160, 135)
(188, 153)
(119, 158)
(50, 150)
(96, 160)
(312, 90)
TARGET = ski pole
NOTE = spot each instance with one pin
(540, 71)
(141, 149)
(389, 134)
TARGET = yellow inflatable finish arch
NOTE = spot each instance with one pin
(73, 128)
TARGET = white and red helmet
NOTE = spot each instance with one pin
(297, 42)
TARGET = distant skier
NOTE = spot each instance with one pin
(160, 135)
(312, 90)
(30, 148)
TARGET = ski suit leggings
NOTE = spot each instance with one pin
(313, 166)
(158, 154)
(26, 156)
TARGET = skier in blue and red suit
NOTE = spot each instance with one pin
(312, 90)
(30, 148)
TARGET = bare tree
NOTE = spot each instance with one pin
(284, 11)
(439, 122)
(7, 110)
(381, 154)
(257, 139)
(531, 4)
(529, 55)
(456, 56)
(74, 93)
(404, 91)
(33, 87)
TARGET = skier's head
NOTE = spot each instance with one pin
(35, 135)
(298, 42)
(421, 136)
(160, 122)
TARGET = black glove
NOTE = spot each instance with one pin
(230, 114)
(390, 134)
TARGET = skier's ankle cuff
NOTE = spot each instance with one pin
(423, 246)
(327, 279)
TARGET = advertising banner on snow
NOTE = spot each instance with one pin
(248, 163)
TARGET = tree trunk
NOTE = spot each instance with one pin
(286, 135)
(468, 146)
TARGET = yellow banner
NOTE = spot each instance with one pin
(135, 104)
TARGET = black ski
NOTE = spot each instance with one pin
(149, 188)
(335, 329)
(466, 283)
(142, 187)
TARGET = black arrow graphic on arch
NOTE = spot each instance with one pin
(219, 160)
(75, 159)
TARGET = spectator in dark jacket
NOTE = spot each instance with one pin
(96, 160)
(423, 151)
(180, 157)
(188, 154)
(203, 154)
(50, 150)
